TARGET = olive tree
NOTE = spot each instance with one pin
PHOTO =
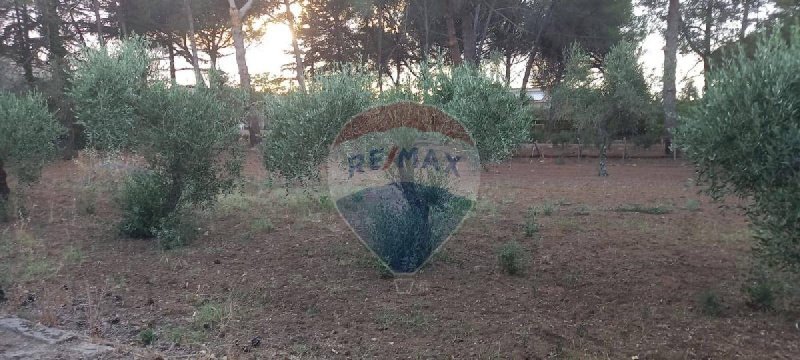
(187, 137)
(28, 133)
(744, 138)
(609, 103)
(303, 125)
(498, 120)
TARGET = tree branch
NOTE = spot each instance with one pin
(243, 11)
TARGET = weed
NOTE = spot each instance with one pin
(761, 294)
(326, 203)
(582, 210)
(147, 336)
(262, 225)
(692, 205)
(176, 230)
(414, 319)
(37, 269)
(710, 303)
(73, 255)
(86, 201)
(571, 279)
(182, 335)
(531, 225)
(638, 208)
(208, 316)
(511, 258)
(545, 209)
(568, 225)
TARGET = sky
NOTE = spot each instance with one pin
(270, 54)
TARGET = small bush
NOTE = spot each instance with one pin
(262, 225)
(208, 316)
(28, 132)
(176, 230)
(143, 203)
(546, 209)
(86, 202)
(147, 337)
(692, 205)
(511, 258)
(531, 225)
(761, 294)
(710, 303)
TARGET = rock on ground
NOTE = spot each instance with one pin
(22, 339)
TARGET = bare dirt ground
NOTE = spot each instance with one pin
(278, 274)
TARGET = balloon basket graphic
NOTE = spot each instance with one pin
(403, 177)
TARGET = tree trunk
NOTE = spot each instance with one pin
(51, 29)
(452, 39)
(172, 71)
(670, 68)
(237, 15)
(709, 23)
(121, 14)
(198, 76)
(603, 160)
(427, 31)
(298, 55)
(468, 34)
(5, 191)
(532, 57)
(508, 62)
(745, 19)
(98, 22)
(380, 46)
(23, 41)
(527, 76)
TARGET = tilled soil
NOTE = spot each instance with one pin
(276, 273)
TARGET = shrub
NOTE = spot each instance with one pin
(744, 138)
(147, 336)
(511, 258)
(761, 295)
(302, 126)
(27, 137)
(531, 225)
(710, 303)
(176, 230)
(143, 205)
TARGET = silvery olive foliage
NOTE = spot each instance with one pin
(106, 86)
(302, 126)
(498, 120)
(744, 138)
(28, 133)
